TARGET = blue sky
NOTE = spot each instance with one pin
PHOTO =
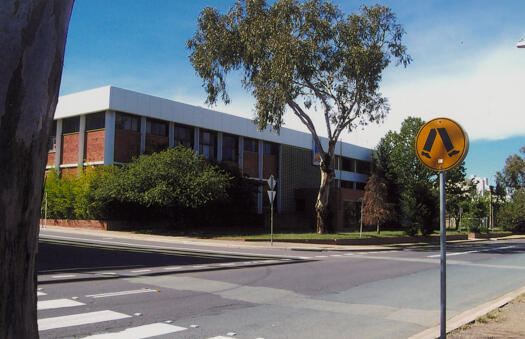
(465, 65)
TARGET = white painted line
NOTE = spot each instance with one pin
(38, 294)
(200, 266)
(321, 256)
(57, 303)
(139, 271)
(173, 268)
(474, 251)
(305, 257)
(79, 319)
(139, 332)
(348, 254)
(63, 276)
(336, 255)
(231, 334)
(221, 337)
(229, 264)
(115, 294)
(270, 261)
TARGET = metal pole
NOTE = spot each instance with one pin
(45, 212)
(271, 224)
(361, 220)
(443, 239)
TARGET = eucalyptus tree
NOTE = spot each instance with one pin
(33, 37)
(305, 57)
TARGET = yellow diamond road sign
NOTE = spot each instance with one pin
(441, 144)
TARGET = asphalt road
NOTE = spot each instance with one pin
(180, 290)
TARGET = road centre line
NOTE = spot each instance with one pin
(79, 319)
(143, 270)
(57, 303)
(173, 268)
(140, 332)
(60, 276)
(114, 294)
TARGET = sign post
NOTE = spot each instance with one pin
(271, 196)
(442, 155)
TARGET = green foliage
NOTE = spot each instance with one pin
(412, 187)
(512, 215)
(514, 171)
(176, 177)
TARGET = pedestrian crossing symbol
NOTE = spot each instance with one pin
(441, 144)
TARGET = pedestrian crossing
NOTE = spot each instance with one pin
(79, 314)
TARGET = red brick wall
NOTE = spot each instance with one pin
(94, 146)
(127, 145)
(251, 164)
(90, 224)
(51, 158)
(155, 143)
(68, 172)
(270, 165)
(70, 148)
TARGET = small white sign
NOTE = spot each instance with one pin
(271, 182)
(271, 195)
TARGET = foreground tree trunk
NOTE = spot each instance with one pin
(322, 205)
(32, 38)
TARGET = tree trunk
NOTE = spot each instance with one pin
(322, 208)
(32, 37)
(378, 230)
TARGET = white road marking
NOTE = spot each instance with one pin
(348, 254)
(115, 294)
(57, 303)
(173, 268)
(139, 332)
(305, 257)
(139, 271)
(38, 294)
(63, 276)
(321, 256)
(79, 319)
(473, 251)
(200, 266)
(336, 255)
(221, 337)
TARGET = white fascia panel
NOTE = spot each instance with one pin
(94, 100)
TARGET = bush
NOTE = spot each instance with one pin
(511, 215)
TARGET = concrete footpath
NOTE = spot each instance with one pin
(452, 323)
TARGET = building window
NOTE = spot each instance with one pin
(270, 148)
(347, 184)
(360, 185)
(348, 164)
(52, 141)
(251, 145)
(127, 122)
(95, 121)
(70, 125)
(183, 135)
(157, 127)
(363, 167)
(208, 144)
(230, 147)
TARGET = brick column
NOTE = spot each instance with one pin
(81, 143)
(109, 138)
(142, 135)
(260, 194)
(58, 151)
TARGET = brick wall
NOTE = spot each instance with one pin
(270, 165)
(51, 158)
(70, 148)
(127, 145)
(155, 143)
(297, 172)
(250, 165)
(94, 146)
(68, 172)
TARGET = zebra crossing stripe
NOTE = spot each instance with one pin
(79, 319)
(57, 303)
(139, 332)
(38, 293)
